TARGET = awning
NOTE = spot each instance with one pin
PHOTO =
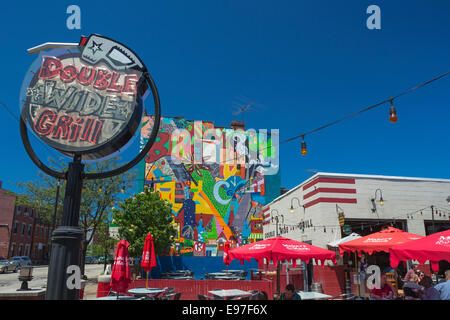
(350, 237)
(256, 236)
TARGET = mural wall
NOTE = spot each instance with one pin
(217, 179)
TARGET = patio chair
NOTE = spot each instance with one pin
(243, 275)
(255, 294)
(204, 297)
(176, 296)
(344, 296)
(171, 296)
(391, 277)
(241, 298)
(113, 293)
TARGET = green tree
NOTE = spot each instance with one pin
(41, 194)
(143, 213)
(104, 244)
(97, 198)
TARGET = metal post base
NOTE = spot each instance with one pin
(66, 247)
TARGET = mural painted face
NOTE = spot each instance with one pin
(216, 189)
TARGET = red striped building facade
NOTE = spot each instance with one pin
(327, 206)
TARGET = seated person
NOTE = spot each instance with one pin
(290, 293)
(412, 289)
(444, 287)
(385, 292)
(429, 293)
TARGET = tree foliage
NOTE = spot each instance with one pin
(97, 197)
(104, 244)
(143, 213)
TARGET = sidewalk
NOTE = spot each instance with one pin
(90, 290)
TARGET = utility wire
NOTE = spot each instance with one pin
(364, 110)
(18, 121)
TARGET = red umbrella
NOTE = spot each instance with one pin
(121, 275)
(226, 256)
(148, 256)
(279, 249)
(434, 248)
(379, 241)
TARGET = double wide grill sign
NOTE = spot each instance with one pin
(85, 100)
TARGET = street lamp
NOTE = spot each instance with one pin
(276, 218)
(374, 209)
(58, 183)
(291, 210)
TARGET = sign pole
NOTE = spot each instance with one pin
(66, 239)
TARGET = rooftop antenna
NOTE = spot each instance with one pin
(245, 104)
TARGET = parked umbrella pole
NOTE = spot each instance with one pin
(146, 281)
(357, 275)
(278, 276)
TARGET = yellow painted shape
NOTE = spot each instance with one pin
(223, 225)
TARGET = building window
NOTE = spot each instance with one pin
(30, 227)
(25, 212)
(27, 250)
(15, 226)
(37, 231)
(42, 232)
(18, 210)
(23, 228)
(32, 213)
(19, 253)
(13, 246)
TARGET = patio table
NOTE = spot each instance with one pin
(305, 295)
(227, 294)
(233, 271)
(230, 277)
(142, 292)
(118, 298)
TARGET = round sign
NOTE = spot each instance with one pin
(198, 246)
(85, 100)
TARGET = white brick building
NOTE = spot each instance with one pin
(407, 204)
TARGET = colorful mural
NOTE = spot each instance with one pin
(215, 178)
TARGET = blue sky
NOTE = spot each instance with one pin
(307, 62)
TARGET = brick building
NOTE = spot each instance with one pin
(22, 231)
(6, 220)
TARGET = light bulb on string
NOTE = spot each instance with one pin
(303, 150)
(392, 113)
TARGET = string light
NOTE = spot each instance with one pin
(303, 147)
(392, 113)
